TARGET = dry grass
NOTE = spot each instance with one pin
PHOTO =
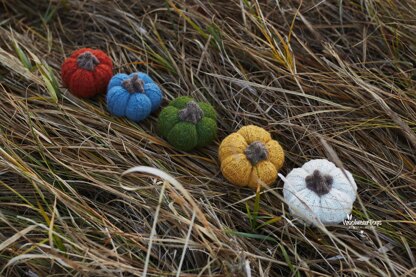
(329, 79)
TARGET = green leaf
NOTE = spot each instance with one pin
(287, 259)
(50, 80)
(216, 34)
(250, 235)
(53, 79)
(50, 87)
(250, 218)
(22, 56)
(268, 222)
(50, 12)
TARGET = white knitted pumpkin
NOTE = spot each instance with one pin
(320, 190)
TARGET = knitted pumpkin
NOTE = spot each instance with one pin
(134, 96)
(320, 190)
(250, 157)
(87, 72)
(187, 124)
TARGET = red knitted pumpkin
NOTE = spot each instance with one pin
(87, 72)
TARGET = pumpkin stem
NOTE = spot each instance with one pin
(87, 61)
(320, 184)
(256, 152)
(134, 84)
(191, 113)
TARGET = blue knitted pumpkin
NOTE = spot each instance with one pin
(134, 96)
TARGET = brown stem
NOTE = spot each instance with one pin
(320, 184)
(87, 61)
(134, 84)
(256, 152)
(191, 113)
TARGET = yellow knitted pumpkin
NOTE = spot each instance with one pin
(250, 157)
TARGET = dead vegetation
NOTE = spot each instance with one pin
(331, 79)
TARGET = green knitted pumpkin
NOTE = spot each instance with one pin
(187, 124)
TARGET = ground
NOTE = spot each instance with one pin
(328, 79)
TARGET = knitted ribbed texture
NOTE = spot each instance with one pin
(134, 96)
(250, 157)
(87, 72)
(187, 124)
(320, 190)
